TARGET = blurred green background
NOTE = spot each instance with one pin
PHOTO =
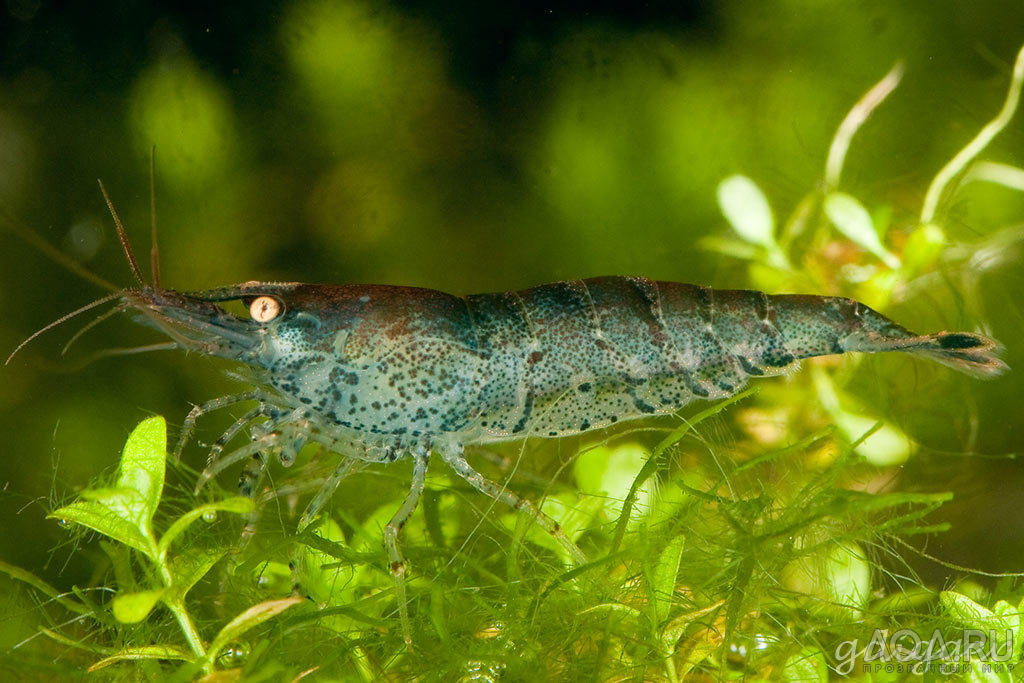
(472, 147)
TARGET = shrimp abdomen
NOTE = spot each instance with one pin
(567, 357)
(815, 326)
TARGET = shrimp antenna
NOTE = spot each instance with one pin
(123, 236)
(88, 326)
(65, 318)
(107, 353)
(154, 249)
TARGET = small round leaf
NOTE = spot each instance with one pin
(747, 210)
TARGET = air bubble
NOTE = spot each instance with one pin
(234, 655)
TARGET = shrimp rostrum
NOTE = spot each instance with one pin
(377, 373)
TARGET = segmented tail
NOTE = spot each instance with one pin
(819, 326)
(970, 353)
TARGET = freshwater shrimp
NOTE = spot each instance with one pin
(376, 373)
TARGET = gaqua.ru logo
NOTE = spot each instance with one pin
(907, 650)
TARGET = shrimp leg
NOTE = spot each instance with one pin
(456, 459)
(397, 563)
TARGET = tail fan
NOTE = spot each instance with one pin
(970, 353)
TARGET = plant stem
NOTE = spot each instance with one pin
(195, 641)
(177, 608)
(854, 120)
(974, 147)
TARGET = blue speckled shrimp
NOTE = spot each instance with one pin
(377, 373)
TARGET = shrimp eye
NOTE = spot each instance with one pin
(263, 309)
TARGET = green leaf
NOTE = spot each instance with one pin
(1013, 621)
(675, 629)
(922, 247)
(854, 221)
(77, 643)
(107, 521)
(145, 652)
(747, 210)
(188, 568)
(125, 512)
(250, 618)
(121, 562)
(626, 619)
(887, 446)
(236, 504)
(142, 463)
(131, 608)
(965, 610)
(664, 579)
(980, 674)
(1008, 176)
(729, 246)
(698, 651)
(848, 576)
(608, 471)
(323, 578)
(616, 608)
(128, 504)
(836, 575)
(807, 666)
(971, 614)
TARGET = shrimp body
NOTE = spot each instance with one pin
(399, 364)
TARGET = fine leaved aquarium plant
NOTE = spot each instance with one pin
(151, 573)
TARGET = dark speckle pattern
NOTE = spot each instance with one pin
(553, 360)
